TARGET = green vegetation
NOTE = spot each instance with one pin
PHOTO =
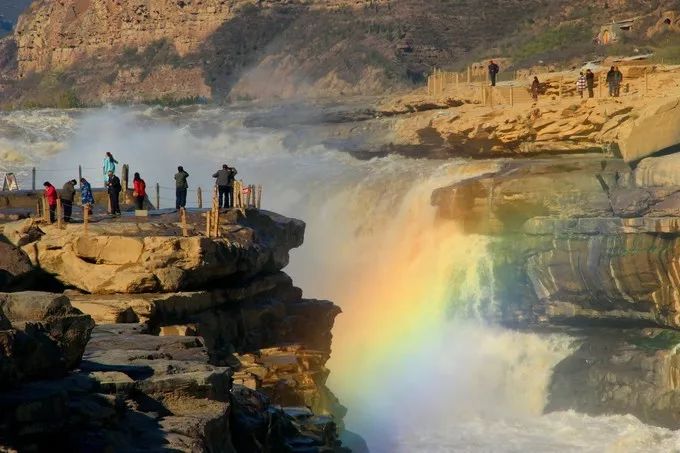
(50, 90)
(169, 101)
(666, 339)
(553, 40)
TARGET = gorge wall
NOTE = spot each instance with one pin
(589, 246)
(91, 51)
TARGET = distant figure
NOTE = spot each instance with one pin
(114, 187)
(590, 81)
(614, 79)
(222, 183)
(138, 191)
(86, 197)
(535, 88)
(68, 194)
(581, 84)
(493, 72)
(109, 165)
(51, 197)
(618, 76)
(181, 187)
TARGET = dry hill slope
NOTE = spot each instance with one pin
(72, 51)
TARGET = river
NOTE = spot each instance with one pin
(416, 357)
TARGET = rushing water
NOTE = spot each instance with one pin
(415, 374)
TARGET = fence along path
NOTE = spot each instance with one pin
(473, 84)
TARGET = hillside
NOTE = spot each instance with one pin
(90, 51)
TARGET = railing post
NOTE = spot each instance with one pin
(158, 196)
(512, 96)
(469, 74)
(80, 173)
(599, 86)
(199, 195)
(33, 179)
(86, 217)
(646, 82)
(259, 197)
(59, 219)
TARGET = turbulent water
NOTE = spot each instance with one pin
(416, 358)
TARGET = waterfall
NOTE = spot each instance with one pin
(415, 357)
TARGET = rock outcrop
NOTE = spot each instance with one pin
(236, 364)
(654, 129)
(137, 258)
(41, 335)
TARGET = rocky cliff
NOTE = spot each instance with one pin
(200, 344)
(91, 51)
(586, 243)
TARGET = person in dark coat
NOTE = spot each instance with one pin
(493, 72)
(590, 83)
(181, 187)
(114, 187)
(222, 182)
(50, 195)
(68, 194)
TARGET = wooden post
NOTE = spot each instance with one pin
(125, 181)
(59, 215)
(599, 86)
(646, 82)
(37, 209)
(208, 227)
(158, 196)
(45, 210)
(86, 217)
(33, 179)
(469, 74)
(259, 197)
(199, 194)
(512, 96)
(483, 93)
(457, 81)
(183, 220)
(80, 173)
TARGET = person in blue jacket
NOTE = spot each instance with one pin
(109, 165)
(86, 197)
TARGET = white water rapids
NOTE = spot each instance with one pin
(413, 380)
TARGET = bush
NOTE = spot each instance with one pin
(554, 40)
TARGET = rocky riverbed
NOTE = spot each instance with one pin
(160, 342)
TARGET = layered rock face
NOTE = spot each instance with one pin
(234, 364)
(593, 244)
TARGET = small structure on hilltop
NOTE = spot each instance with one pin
(615, 31)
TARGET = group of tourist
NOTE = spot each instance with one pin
(225, 178)
(585, 81)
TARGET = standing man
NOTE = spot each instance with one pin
(230, 186)
(618, 77)
(222, 183)
(51, 197)
(590, 82)
(493, 72)
(68, 194)
(181, 187)
(114, 189)
(611, 81)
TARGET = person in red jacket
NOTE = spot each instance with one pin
(139, 191)
(51, 197)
